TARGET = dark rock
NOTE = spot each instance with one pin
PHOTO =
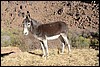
(60, 11)
(21, 7)
(23, 14)
(68, 4)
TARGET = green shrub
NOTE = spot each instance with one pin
(80, 42)
(94, 41)
(14, 40)
(84, 40)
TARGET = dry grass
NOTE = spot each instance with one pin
(78, 57)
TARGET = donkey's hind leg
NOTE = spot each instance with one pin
(63, 44)
(66, 40)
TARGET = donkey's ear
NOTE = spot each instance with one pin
(28, 13)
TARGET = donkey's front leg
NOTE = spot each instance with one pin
(42, 45)
(46, 47)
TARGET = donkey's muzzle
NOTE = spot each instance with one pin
(25, 31)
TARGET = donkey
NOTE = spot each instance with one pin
(44, 32)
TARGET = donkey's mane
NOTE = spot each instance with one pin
(35, 22)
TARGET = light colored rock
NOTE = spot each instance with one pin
(5, 50)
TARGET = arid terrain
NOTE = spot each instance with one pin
(81, 17)
(77, 57)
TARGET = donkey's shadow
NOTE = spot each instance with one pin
(6, 54)
(35, 54)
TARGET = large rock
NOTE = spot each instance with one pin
(5, 50)
(5, 40)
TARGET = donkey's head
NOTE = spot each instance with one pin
(26, 23)
(29, 24)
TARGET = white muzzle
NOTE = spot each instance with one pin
(26, 31)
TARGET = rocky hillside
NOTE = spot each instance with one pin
(80, 16)
(77, 14)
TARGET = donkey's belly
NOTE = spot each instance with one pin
(46, 37)
(52, 37)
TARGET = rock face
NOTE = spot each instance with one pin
(77, 14)
(80, 16)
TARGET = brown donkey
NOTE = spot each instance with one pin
(44, 32)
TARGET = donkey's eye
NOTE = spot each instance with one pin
(28, 24)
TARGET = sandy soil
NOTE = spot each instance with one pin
(78, 57)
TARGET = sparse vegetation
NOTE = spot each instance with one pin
(84, 40)
(14, 39)
(80, 42)
(95, 40)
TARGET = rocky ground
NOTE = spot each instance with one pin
(78, 57)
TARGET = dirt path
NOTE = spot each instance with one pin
(78, 57)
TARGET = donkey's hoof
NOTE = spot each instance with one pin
(62, 53)
(45, 55)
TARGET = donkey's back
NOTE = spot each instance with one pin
(51, 29)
